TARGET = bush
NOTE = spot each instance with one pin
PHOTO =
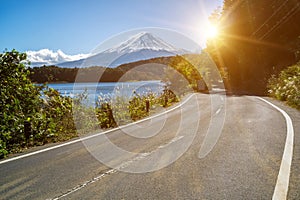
(105, 116)
(168, 97)
(27, 118)
(35, 115)
(55, 119)
(286, 87)
(139, 106)
(120, 110)
(20, 101)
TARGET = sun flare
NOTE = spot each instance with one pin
(211, 31)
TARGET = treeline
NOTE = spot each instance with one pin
(151, 69)
(257, 38)
(52, 74)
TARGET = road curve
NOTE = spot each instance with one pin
(243, 164)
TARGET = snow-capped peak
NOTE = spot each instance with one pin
(142, 41)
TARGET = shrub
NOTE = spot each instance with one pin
(168, 97)
(20, 101)
(137, 107)
(105, 116)
(286, 87)
(120, 110)
(35, 115)
(55, 121)
(29, 114)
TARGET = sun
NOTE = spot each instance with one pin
(211, 31)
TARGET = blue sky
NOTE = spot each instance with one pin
(78, 26)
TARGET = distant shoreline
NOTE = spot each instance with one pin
(129, 81)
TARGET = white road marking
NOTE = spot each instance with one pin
(172, 141)
(95, 135)
(282, 184)
(112, 171)
(95, 179)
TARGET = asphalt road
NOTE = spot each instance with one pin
(161, 158)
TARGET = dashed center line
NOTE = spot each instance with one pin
(112, 171)
(95, 179)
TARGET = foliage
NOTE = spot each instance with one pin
(56, 117)
(105, 116)
(57, 74)
(35, 115)
(20, 101)
(120, 110)
(167, 98)
(187, 71)
(286, 87)
(258, 38)
(52, 74)
(139, 106)
(27, 117)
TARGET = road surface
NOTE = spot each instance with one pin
(243, 164)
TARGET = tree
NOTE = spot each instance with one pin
(26, 117)
(259, 38)
(19, 101)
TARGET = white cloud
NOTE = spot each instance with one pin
(49, 57)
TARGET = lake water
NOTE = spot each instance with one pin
(108, 90)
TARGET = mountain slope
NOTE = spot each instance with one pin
(142, 41)
(141, 46)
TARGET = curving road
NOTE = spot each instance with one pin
(169, 154)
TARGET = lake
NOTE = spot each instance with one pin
(108, 89)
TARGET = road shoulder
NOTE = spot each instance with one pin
(294, 182)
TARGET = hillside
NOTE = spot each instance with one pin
(54, 74)
(174, 69)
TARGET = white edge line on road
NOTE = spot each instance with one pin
(95, 135)
(282, 184)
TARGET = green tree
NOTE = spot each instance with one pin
(258, 38)
(26, 117)
(19, 102)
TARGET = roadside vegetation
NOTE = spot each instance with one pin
(27, 119)
(286, 86)
(32, 115)
(256, 39)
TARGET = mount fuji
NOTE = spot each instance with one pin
(141, 46)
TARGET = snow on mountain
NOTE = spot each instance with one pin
(141, 46)
(142, 41)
